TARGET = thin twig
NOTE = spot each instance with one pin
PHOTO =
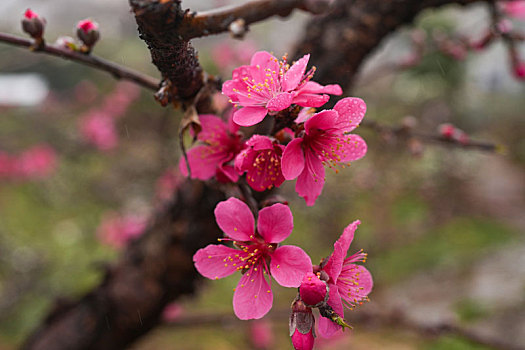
(114, 69)
(199, 24)
(408, 133)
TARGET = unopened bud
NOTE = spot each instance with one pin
(446, 130)
(302, 326)
(87, 32)
(313, 291)
(33, 25)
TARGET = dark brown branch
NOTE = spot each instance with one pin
(114, 69)
(339, 41)
(219, 20)
(154, 270)
(158, 22)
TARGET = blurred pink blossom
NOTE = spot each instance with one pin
(36, 162)
(98, 129)
(227, 55)
(261, 334)
(514, 9)
(167, 183)
(172, 312)
(117, 230)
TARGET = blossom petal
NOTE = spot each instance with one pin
(310, 100)
(280, 102)
(265, 60)
(292, 163)
(260, 142)
(217, 261)
(351, 111)
(354, 283)
(248, 116)
(355, 148)
(311, 87)
(335, 262)
(253, 296)
(235, 219)
(321, 121)
(275, 223)
(203, 162)
(226, 173)
(289, 265)
(294, 75)
(213, 128)
(327, 328)
(311, 181)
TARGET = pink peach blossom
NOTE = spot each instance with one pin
(325, 142)
(514, 9)
(261, 334)
(348, 282)
(258, 256)
(99, 130)
(261, 160)
(172, 312)
(269, 85)
(117, 230)
(6, 165)
(219, 143)
(36, 162)
(167, 183)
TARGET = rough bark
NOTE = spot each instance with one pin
(158, 25)
(339, 41)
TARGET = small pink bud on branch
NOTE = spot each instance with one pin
(88, 33)
(34, 25)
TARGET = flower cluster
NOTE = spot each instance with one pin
(312, 140)
(302, 143)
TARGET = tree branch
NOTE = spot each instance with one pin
(158, 22)
(339, 41)
(407, 133)
(155, 269)
(219, 20)
(114, 69)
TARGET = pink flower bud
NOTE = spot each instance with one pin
(33, 24)
(302, 341)
(519, 70)
(312, 290)
(302, 326)
(88, 33)
(446, 130)
(29, 14)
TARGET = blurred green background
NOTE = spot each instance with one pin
(443, 227)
